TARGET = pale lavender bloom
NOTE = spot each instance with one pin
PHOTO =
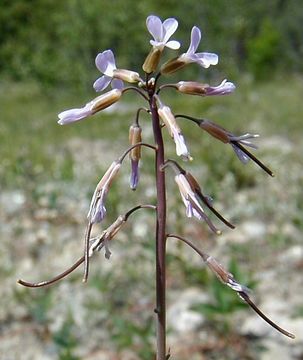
(170, 122)
(69, 116)
(181, 148)
(106, 64)
(97, 210)
(191, 202)
(162, 32)
(99, 103)
(204, 59)
(224, 88)
(244, 158)
(134, 176)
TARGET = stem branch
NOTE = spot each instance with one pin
(160, 233)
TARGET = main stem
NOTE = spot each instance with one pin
(160, 234)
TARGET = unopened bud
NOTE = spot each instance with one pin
(105, 100)
(215, 130)
(152, 60)
(126, 75)
(172, 65)
(192, 88)
(135, 137)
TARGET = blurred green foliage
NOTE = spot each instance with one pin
(56, 41)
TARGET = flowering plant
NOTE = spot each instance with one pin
(149, 88)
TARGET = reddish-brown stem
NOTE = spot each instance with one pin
(55, 279)
(160, 233)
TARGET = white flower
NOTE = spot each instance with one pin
(162, 32)
(204, 59)
(191, 202)
(106, 64)
(99, 103)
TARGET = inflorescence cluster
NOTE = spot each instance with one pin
(162, 117)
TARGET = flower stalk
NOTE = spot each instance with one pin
(161, 116)
(160, 232)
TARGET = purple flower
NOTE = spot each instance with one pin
(227, 137)
(170, 122)
(243, 140)
(106, 64)
(99, 103)
(162, 32)
(195, 88)
(191, 202)
(224, 88)
(97, 210)
(134, 176)
(204, 59)
(72, 115)
(181, 148)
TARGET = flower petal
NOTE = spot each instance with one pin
(97, 209)
(117, 84)
(173, 44)
(155, 27)
(134, 177)
(195, 39)
(102, 83)
(181, 148)
(241, 155)
(206, 59)
(170, 25)
(105, 62)
(72, 115)
(224, 88)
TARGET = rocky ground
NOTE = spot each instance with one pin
(41, 234)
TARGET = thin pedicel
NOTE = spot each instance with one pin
(148, 86)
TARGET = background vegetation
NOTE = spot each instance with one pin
(56, 41)
(48, 174)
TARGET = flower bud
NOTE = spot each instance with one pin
(192, 88)
(152, 60)
(135, 137)
(126, 75)
(135, 154)
(105, 100)
(172, 65)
